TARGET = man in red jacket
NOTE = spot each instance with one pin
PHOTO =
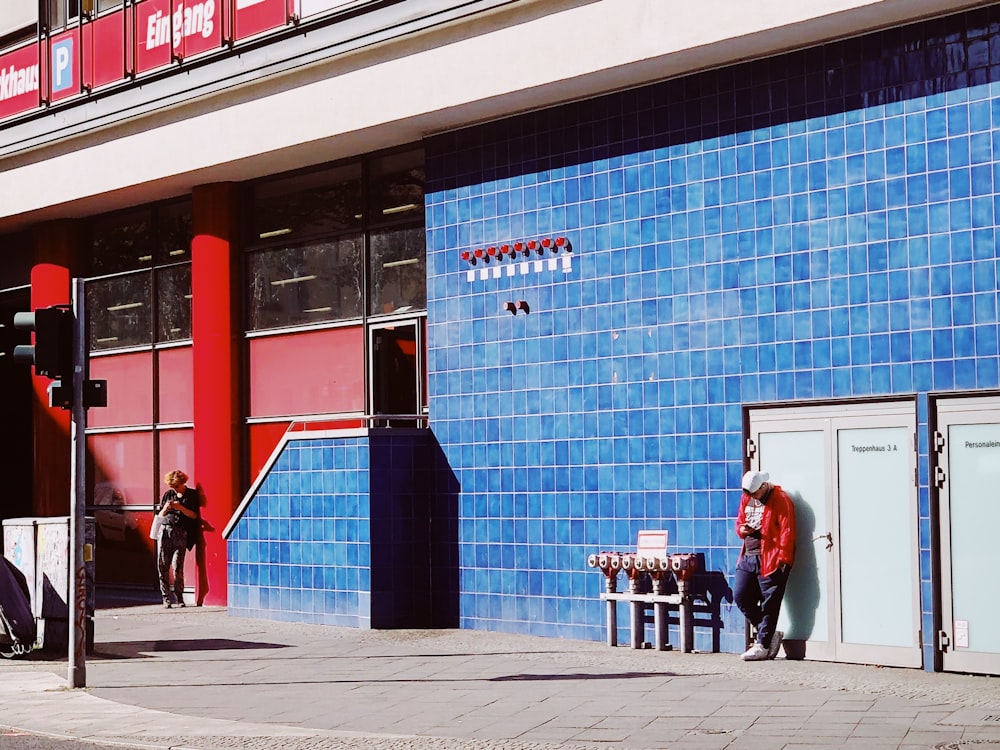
(766, 524)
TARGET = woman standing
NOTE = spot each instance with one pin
(180, 509)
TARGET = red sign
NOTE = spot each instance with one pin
(197, 26)
(19, 81)
(153, 37)
(181, 28)
(63, 69)
(255, 16)
(133, 40)
(104, 49)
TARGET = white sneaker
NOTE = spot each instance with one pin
(772, 650)
(755, 653)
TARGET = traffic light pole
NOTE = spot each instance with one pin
(77, 524)
(60, 352)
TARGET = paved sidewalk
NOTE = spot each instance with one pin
(198, 678)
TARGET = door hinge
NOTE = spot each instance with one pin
(943, 640)
(751, 448)
(938, 442)
(939, 477)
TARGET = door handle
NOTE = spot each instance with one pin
(829, 539)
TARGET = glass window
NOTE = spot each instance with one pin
(397, 274)
(319, 203)
(366, 248)
(173, 296)
(310, 283)
(119, 311)
(396, 189)
(61, 12)
(175, 230)
(122, 308)
(121, 242)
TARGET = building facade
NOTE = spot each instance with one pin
(435, 299)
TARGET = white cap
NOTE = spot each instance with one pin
(752, 480)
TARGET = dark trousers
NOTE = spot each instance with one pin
(759, 597)
(170, 552)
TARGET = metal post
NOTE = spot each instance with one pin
(686, 616)
(637, 621)
(612, 618)
(78, 462)
(660, 625)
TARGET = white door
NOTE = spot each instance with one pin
(854, 590)
(968, 480)
(796, 454)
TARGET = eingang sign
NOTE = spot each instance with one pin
(129, 41)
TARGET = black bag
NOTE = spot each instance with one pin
(17, 621)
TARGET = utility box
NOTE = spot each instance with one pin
(39, 548)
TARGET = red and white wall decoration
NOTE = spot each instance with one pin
(518, 258)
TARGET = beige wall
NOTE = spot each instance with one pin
(523, 56)
(17, 14)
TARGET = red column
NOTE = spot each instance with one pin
(55, 252)
(215, 332)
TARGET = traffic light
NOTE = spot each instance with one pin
(52, 352)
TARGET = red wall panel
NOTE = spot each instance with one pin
(316, 372)
(19, 80)
(176, 386)
(176, 452)
(104, 45)
(121, 466)
(130, 389)
(263, 438)
(255, 16)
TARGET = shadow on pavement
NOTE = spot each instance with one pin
(133, 649)
(580, 676)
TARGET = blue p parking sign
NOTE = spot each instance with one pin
(62, 65)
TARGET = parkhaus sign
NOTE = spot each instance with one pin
(132, 40)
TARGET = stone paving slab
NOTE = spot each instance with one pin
(198, 678)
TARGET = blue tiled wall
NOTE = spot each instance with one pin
(349, 530)
(301, 550)
(816, 225)
(413, 499)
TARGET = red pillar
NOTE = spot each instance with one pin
(215, 332)
(55, 253)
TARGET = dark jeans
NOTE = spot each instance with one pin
(759, 597)
(170, 561)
